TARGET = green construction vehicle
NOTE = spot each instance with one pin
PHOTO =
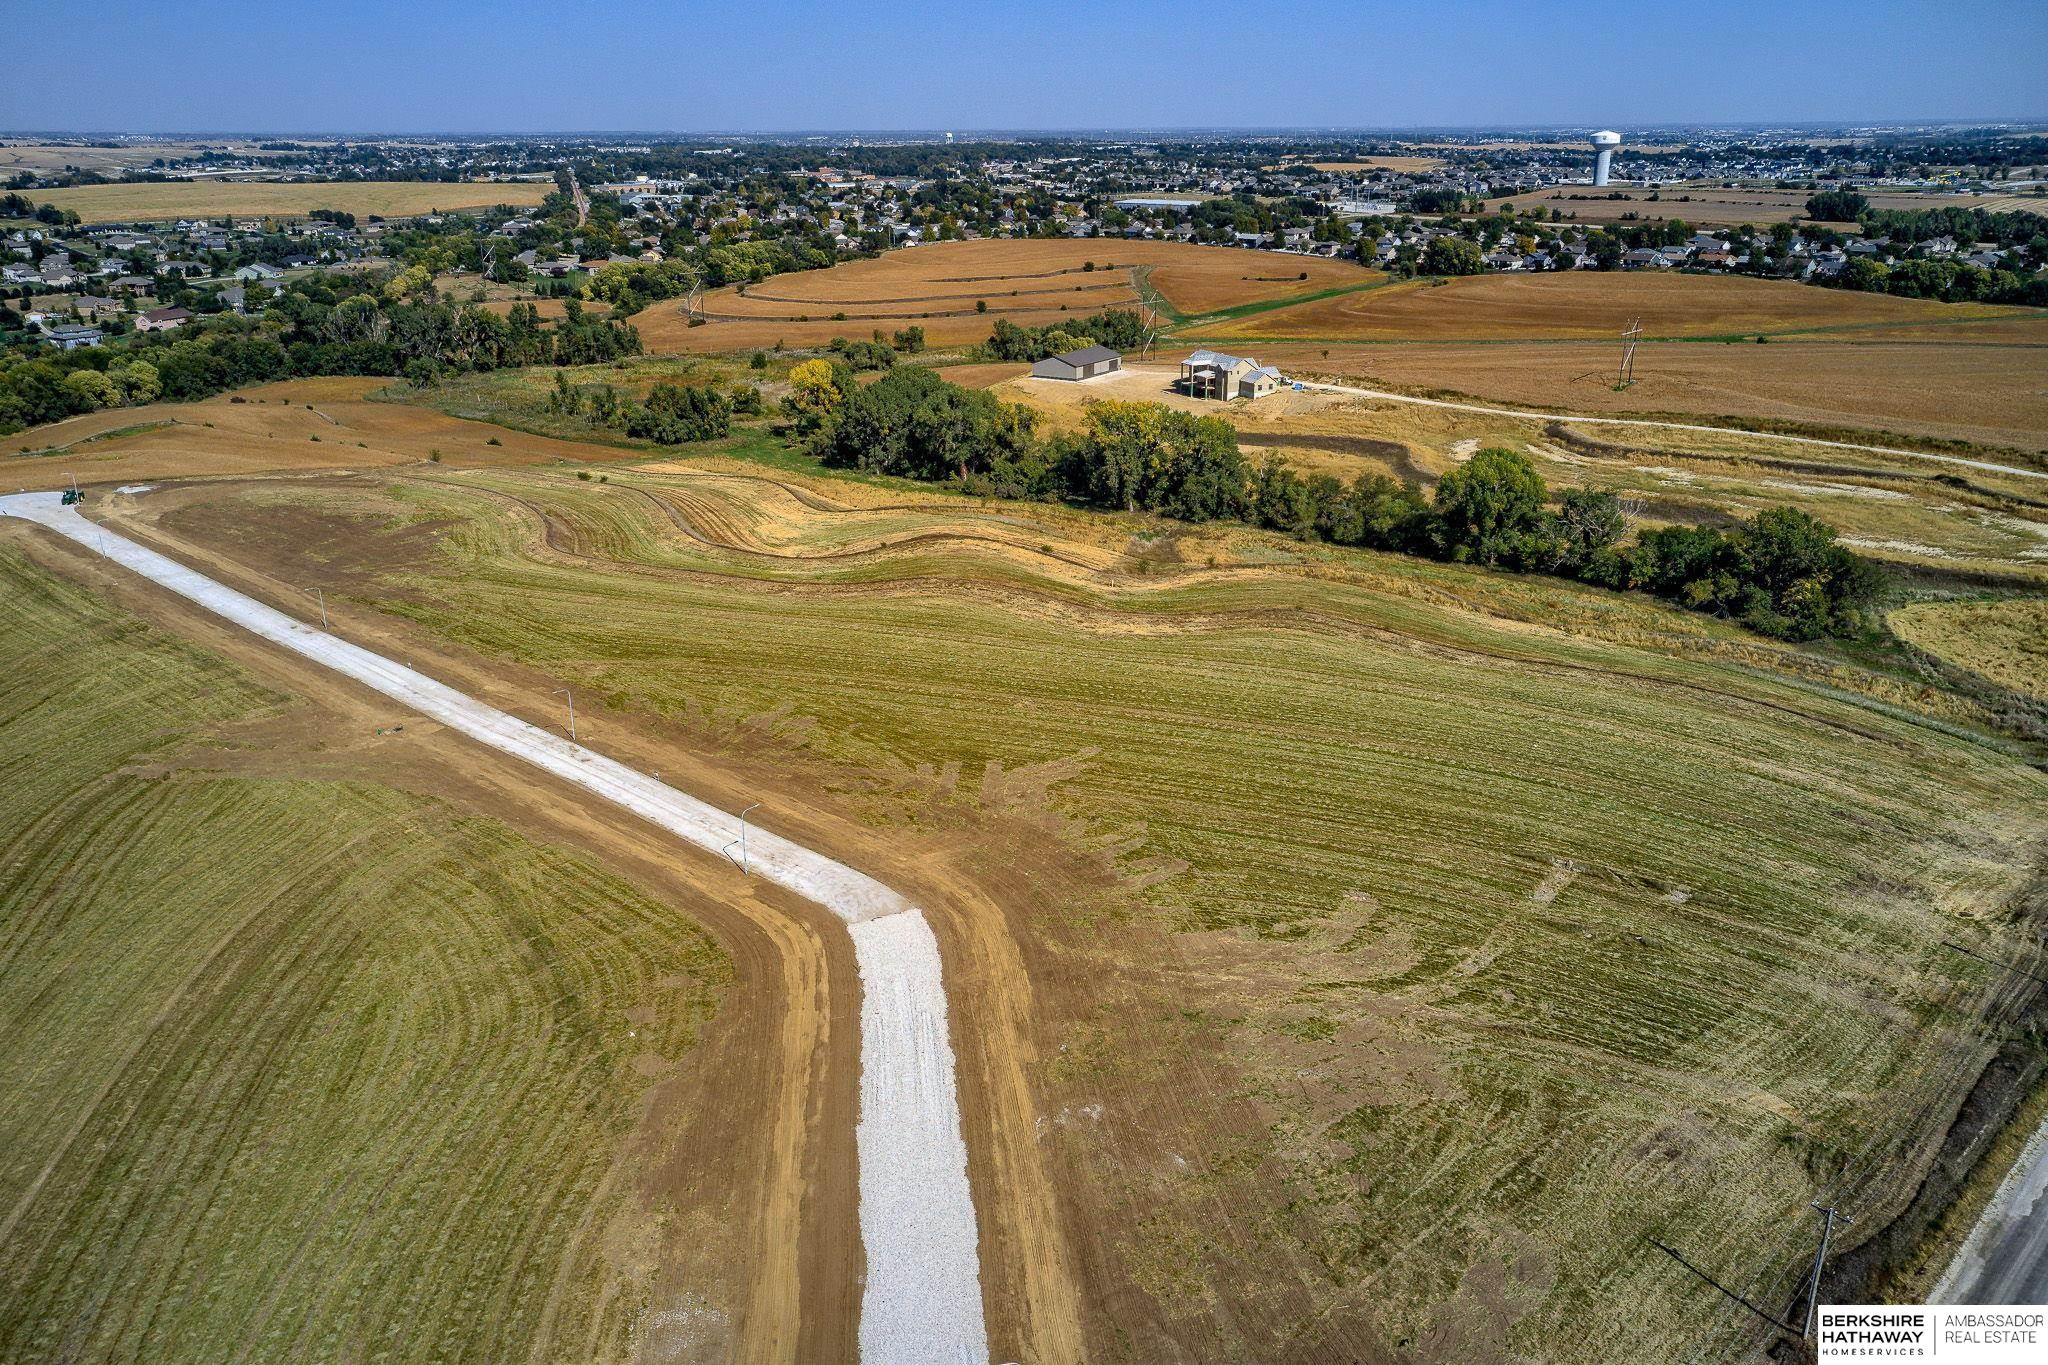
(70, 496)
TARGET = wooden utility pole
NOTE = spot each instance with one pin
(1629, 338)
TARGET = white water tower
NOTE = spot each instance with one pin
(1603, 155)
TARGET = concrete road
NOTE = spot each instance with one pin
(2005, 1258)
(922, 1300)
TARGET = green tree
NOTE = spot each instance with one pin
(1452, 256)
(1490, 509)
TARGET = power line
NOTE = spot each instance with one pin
(1781, 1326)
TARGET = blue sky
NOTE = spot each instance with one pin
(687, 65)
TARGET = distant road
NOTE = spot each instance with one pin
(922, 1298)
(2005, 1259)
(1986, 465)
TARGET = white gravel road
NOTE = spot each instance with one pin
(922, 1300)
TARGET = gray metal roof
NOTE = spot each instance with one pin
(1087, 355)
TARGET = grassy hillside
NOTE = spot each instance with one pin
(1518, 945)
(294, 1069)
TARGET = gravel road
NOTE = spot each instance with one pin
(2005, 1258)
(922, 1300)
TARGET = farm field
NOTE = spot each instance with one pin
(1890, 507)
(213, 199)
(1031, 283)
(2006, 641)
(365, 1065)
(1630, 959)
(1990, 395)
(295, 424)
(1579, 303)
(41, 157)
(1379, 163)
(1716, 205)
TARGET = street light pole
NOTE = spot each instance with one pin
(742, 862)
(565, 692)
(746, 868)
(323, 604)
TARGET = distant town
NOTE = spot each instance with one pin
(1931, 212)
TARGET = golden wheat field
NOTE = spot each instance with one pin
(1031, 283)
(216, 199)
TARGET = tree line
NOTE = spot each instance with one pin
(322, 325)
(1782, 573)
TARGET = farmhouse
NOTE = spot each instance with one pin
(1085, 363)
(1212, 374)
(162, 319)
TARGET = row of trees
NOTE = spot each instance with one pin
(1118, 328)
(671, 414)
(322, 325)
(1781, 573)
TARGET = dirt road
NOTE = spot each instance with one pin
(922, 1299)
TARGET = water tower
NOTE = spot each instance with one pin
(1603, 155)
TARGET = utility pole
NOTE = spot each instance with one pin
(1828, 1214)
(1629, 338)
(323, 604)
(565, 692)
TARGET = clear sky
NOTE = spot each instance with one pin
(687, 65)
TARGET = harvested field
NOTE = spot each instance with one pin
(1031, 283)
(2005, 641)
(1987, 394)
(43, 157)
(365, 1065)
(1890, 507)
(1578, 304)
(1378, 163)
(215, 198)
(983, 376)
(1711, 204)
(296, 424)
(1656, 950)
(548, 309)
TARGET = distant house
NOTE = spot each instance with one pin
(162, 319)
(1212, 374)
(259, 270)
(1086, 363)
(132, 284)
(71, 336)
(92, 305)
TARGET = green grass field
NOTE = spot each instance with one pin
(1526, 944)
(295, 1069)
